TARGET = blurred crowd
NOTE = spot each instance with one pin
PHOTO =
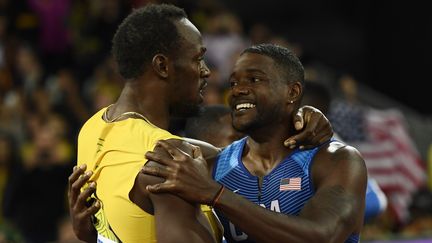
(56, 70)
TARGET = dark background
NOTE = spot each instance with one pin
(386, 45)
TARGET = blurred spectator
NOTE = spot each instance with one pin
(8, 159)
(259, 33)
(54, 40)
(346, 114)
(94, 27)
(104, 86)
(420, 223)
(6, 82)
(12, 114)
(30, 74)
(3, 25)
(429, 166)
(65, 232)
(65, 97)
(35, 198)
(224, 40)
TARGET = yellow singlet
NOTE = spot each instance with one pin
(115, 153)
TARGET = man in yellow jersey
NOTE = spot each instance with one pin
(159, 53)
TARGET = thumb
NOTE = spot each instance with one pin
(155, 188)
(196, 152)
(298, 119)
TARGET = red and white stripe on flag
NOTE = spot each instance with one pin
(392, 159)
(290, 184)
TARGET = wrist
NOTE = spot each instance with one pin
(86, 233)
(217, 195)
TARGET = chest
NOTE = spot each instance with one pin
(286, 189)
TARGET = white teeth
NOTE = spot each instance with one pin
(244, 106)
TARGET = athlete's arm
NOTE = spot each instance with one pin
(176, 219)
(332, 214)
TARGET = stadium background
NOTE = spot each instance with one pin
(56, 70)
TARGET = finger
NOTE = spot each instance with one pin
(76, 173)
(290, 142)
(156, 171)
(175, 152)
(156, 157)
(298, 119)
(94, 208)
(319, 139)
(196, 152)
(324, 129)
(323, 137)
(161, 187)
(75, 189)
(85, 195)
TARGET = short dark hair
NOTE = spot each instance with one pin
(207, 120)
(285, 59)
(142, 34)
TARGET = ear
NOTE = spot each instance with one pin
(295, 91)
(160, 65)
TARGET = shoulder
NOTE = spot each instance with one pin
(92, 122)
(337, 159)
(335, 152)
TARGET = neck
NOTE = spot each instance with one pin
(267, 145)
(140, 96)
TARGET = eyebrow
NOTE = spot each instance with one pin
(254, 70)
(250, 70)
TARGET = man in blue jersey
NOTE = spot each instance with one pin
(214, 125)
(262, 191)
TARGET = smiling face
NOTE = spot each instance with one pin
(258, 94)
(189, 71)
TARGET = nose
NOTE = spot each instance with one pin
(239, 89)
(205, 71)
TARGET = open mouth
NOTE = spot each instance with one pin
(202, 88)
(244, 106)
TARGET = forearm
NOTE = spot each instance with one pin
(264, 225)
(185, 221)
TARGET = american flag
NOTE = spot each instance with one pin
(290, 184)
(391, 157)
